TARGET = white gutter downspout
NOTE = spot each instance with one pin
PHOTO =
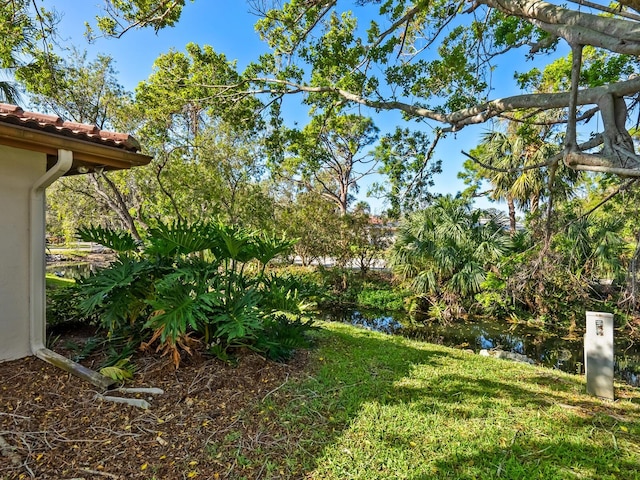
(37, 283)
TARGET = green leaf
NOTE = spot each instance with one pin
(178, 306)
(180, 238)
(119, 276)
(119, 241)
(121, 371)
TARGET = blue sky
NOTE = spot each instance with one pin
(227, 25)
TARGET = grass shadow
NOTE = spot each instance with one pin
(377, 406)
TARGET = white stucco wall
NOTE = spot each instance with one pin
(19, 169)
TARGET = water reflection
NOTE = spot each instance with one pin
(369, 320)
(545, 348)
(75, 271)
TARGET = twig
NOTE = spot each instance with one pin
(15, 416)
(547, 163)
(618, 190)
(277, 388)
(26, 467)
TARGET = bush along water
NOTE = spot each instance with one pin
(444, 253)
(197, 284)
(461, 263)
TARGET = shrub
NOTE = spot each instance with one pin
(191, 279)
(63, 306)
(388, 299)
(281, 336)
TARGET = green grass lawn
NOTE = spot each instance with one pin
(53, 281)
(381, 407)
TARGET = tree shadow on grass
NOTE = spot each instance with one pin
(361, 372)
(537, 459)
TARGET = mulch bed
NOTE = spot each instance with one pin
(52, 426)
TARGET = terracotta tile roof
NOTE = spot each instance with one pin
(13, 114)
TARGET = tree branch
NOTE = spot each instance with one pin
(618, 190)
(613, 11)
(460, 118)
(553, 160)
(614, 34)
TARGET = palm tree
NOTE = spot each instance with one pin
(448, 248)
(594, 247)
(521, 189)
(511, 163)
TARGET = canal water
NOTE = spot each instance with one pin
(545, 348)
(74, 270)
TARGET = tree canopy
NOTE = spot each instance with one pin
(435, 61)
(432, 61)
(440, 63)
(328, 154)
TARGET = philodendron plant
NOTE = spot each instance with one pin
(204, 282)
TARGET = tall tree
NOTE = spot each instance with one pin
(78, 89)
(328, 155)
(86, 92)
(209, 159)
(508, 161)
(313, 221)
(407, 163)
(27, 31)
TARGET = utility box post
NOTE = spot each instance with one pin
(598, 354)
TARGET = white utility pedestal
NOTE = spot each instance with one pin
(598, 354)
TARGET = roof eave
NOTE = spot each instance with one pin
(85, 153)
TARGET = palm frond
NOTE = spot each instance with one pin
(9, 92)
